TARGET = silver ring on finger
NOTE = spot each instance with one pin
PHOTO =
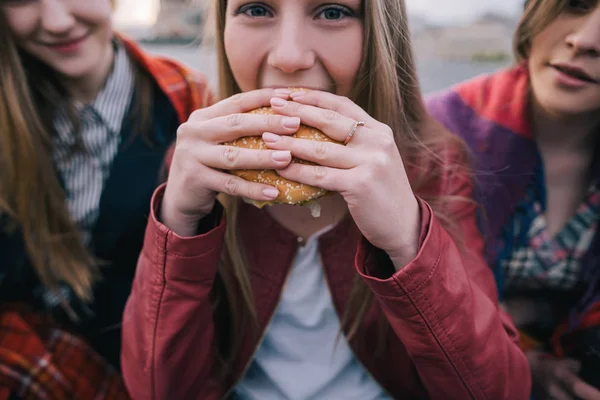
(353, 131)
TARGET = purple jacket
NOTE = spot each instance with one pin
(491, 114)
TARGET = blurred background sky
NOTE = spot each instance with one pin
(144, 12)
(453, 40)
(453, 11)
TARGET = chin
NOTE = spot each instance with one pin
(571, 109)
(75, 70)
(568, 105)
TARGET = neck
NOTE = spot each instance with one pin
(300, 221)
(565, 133)
(84, 89)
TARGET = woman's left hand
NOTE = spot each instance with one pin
(368, 172)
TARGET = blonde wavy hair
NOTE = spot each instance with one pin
(32, 201)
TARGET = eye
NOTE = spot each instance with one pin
(15, 3)
(334, 12)
(255, 10)
(581, 6)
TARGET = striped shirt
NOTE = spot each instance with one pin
(85, 171)
(186, 89)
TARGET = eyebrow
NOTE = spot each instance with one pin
(354, 3)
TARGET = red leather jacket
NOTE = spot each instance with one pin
(449, 339)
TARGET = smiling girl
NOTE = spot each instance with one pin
(86, 119)
(386, 295)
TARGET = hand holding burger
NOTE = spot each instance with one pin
(202, 161)
(219, 150)
(290, 192)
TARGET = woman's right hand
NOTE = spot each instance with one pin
(557, 378)
(197, 172)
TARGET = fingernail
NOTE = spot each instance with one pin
(271, 193)
(281, 156)
(291, 122)
(271, 137)
(283, 92)
(297, 94)
(277, 102)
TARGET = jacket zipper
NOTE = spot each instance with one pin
(262, 336)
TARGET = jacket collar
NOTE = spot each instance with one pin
(253, 219)
(186, 89)
(496, 125)
(502, 98)
(343, 237)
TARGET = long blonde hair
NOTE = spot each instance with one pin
(387, 88)
(32, 201)
(31, 198)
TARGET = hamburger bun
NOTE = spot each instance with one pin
(290, 192)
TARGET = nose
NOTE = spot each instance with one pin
(586, 38)
(56, 17)
(291, 51)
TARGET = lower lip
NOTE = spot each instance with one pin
(297, 87)
(68, 48)
(569, 80)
